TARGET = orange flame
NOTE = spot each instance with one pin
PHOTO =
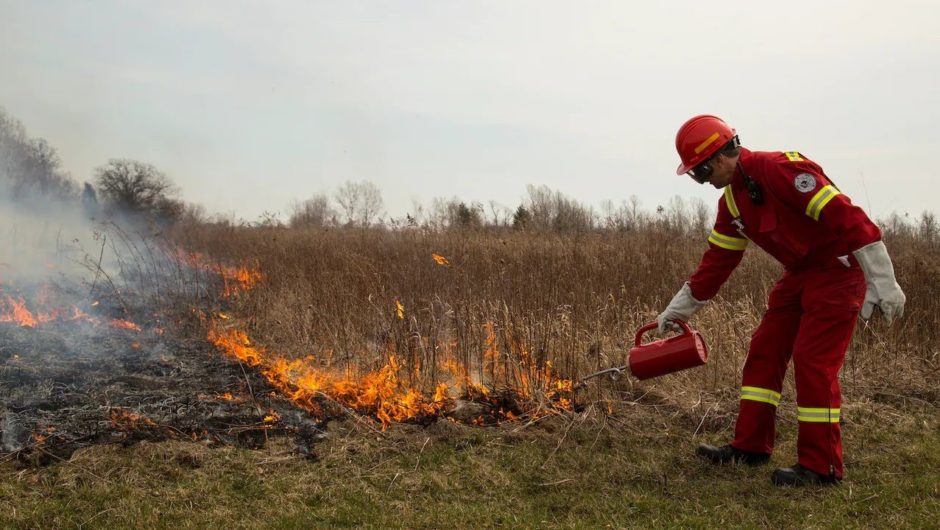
(234, 279)
(380, 393)
(124, 420)
(46, 308)
(237, 279)
(441, 260)
(125, 324)
(17, 313)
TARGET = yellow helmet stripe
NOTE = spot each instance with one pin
(708, 141)
(820, 200)
(728, 242)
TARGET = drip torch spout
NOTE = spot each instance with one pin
(613, 373)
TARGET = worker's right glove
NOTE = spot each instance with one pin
(682, 306)
(883, 289)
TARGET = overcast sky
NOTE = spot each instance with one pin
(249, 106)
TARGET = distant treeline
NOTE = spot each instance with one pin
(30, 167)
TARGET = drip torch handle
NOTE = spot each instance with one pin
(653, 325)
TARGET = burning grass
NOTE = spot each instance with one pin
(470, 314)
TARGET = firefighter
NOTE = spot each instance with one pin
(835, 267)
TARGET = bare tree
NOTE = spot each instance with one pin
(136, 187)
(456, 214)
(315, 211)
(634, 211)
(701, 217)
(361, 202)
(499, 214)
(552, 210)
(30, 165)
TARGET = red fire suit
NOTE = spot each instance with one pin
(811, 228)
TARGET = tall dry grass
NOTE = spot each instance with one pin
(572, 300)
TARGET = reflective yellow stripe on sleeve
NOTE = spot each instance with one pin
(820, 200)
(727, 242)
(764, 395)
(818, 415)
(729, 200)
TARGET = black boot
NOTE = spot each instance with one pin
(798, 475)
(727, 453)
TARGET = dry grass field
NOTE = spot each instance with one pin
(518, 313)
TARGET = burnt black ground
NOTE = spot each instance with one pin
(66, 385)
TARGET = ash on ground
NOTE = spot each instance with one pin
(67, 384)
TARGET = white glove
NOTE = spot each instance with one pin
(883, 289)
(682, 307)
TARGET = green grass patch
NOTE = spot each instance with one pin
(623, 471)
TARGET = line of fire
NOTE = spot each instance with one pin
(93, 362)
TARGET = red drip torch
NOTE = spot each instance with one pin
(660, 357)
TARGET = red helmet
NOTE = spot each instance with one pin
(699, 138)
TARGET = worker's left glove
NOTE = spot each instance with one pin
(682, 306)
(883, 289)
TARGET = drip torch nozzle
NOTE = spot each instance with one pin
(614, 374)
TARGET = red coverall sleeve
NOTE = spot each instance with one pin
(801, 184)
(725, 250)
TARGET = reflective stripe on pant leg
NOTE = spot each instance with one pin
(818, 414)
(832, 299)
(765, 367)
(763, 395)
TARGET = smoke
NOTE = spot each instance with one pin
(42, 227)
(42, 239)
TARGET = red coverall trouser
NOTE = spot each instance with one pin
(810, 317)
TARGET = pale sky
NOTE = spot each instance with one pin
(249, 106)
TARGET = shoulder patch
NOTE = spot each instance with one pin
(804, 182)
(793, 156)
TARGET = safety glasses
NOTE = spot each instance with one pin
(702, 172)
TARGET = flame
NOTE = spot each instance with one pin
(237, 279)
(46, 308)
(124, 420)
(125, 324)
(380, 393)
(17, 313)
(383, 393)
